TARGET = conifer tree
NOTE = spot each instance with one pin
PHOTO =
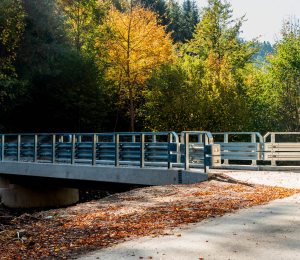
(189, 19)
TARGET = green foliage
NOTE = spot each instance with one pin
(283, 78)
(44, 40)
(218, 33)
(159, 7)
(11, 30)
(174, 12)
(182, 20)
(266, 49)
(58, 69)
(83, 19)
(74, 98)
(214, 87)
(170, 100)
(70, 101)
(59, 89)
(189, 19)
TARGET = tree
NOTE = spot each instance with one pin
(283, 78)
(44, 42)
(157, 6)
(189, 19)
(12, 26)
(218, 33)
(182, 20)
(56, 83)
(174, 12)
(224, 60)
(216, 91)
(170, 100)
(137, 45)
(266, 49)
(11, 30)
(83, 18)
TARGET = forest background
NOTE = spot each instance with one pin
(145, 65)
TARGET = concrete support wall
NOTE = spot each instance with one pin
(193, 177)
(23, 197)
(33, 196)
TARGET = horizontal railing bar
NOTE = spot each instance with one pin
(90, 134)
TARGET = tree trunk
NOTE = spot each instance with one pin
(131, 109)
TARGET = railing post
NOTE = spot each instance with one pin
(253, 140)
(35, 148)
(61, 139)
(170, 140)
(18, 147)
(79, 139)
(200, 138)
(153, 138)
(273, 138)
(53, 149)
(73, 149)
(133, 138)
(2, 147)
(142, 150)
(94, 139)
(206, 139)
(117, 150)
(187, 152)
(206, 142)
(226, 141)
(273, 162)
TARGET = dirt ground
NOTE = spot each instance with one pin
(66, 233)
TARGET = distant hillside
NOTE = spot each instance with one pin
(266, 49)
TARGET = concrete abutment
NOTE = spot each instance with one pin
(16, 195)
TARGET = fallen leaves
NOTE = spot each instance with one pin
(141, 212)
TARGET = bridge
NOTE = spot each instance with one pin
(38, 170)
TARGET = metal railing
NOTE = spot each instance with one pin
(280, 151)
(249, 150)
(54, 147)
(111, 148)
(195, 153)
(185, 150)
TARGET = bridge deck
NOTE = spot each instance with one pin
(101, 173)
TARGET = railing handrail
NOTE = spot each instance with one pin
(261, 139)
(279, 133)
(99, 134)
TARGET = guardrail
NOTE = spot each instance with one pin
(185, 150)
(280, 151)
(53, 147)
(111, 148)
(248, 150)
(188, 153)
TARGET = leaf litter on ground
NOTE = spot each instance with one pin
(69, 232)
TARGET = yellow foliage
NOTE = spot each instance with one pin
(136, 45)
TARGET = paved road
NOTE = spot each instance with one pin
(263, 232)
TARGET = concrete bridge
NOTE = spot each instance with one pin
(38, 170)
